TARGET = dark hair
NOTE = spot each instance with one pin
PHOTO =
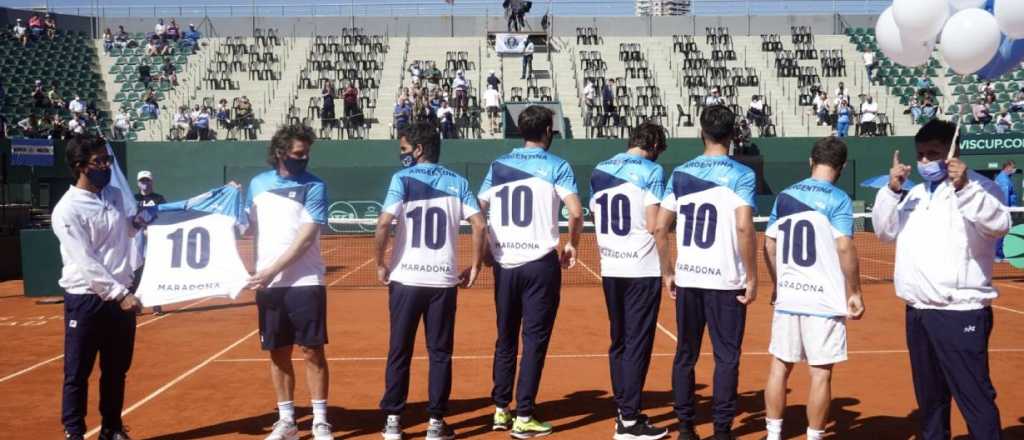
(1009, 163)
(718, 123)
(829, 151)
(535, 121)
(426, 136)
(649, 136)
(79, 148)
(283, 139)
(936, 130)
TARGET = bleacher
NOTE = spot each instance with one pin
(966, 89)
(69, 61)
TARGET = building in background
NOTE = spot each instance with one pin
(662, 7)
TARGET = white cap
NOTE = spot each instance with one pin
(144, 174)
(492, 71)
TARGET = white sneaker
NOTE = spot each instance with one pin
(322, 431)
(284, 430)
(392, 429)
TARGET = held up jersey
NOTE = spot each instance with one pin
(282, 205)
(524, 190)
(621, 189)
(428, 200)
(806, 220)
(191, 251)
(705, 193)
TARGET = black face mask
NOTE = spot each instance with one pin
(295, 166)
(98, 178)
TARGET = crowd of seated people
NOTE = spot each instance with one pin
(39, 27)
(205, 122)
(161, 41)
(444, 103)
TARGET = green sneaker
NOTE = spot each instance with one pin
(502, 420)
(530, 428)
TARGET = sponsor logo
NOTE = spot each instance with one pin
(517, 245)
(431, 268)
(969, 329)
(73, 323)
(801, 287)
(291, 194)
(701, 270)
(1008, 143)
(189, 286)
(611, 253)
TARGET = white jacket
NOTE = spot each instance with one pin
(945, 242)
(95, 233)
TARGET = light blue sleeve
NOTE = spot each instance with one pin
(486, 185)
(396, 195)
(316, 202)
(841, 216)
(771, 230)
(469, 203)
(668, 198)
(565, 179)
(745, 187)
(249, 194)
(656, 182)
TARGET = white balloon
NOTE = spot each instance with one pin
(904, 52)
(1010, 16)
(970, 40)
(920, 20)
(966, 4)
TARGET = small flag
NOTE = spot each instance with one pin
(32, 152)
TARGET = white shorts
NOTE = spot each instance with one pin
(817, 339)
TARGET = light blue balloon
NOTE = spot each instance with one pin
(1008, 57)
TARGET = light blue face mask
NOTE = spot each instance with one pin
(934, 171)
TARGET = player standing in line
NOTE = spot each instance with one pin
(817, 285)
(945, 231)
(521, 195)
(287, 206)
(715, 275)
(429, 201)
(91, 223)
(625, 193)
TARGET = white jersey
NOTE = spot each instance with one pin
(95, 232)
(621, 189)
(806, 220)
(428, 200)
(524, 190)
(282, 205)
(705, 193)
(191, 251)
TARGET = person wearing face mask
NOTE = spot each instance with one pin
(522, 193)
(146, 198)
(1005, 181)
(630, 269)
(427, 201)
(287, 206)
(945, 230)
(95, 234)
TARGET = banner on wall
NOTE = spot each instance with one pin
(983, 144)
(510, 43)
(32, 152)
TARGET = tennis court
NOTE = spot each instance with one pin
(198, 371)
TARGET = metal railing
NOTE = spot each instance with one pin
(398, 8)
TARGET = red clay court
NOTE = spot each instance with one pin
(198, 371)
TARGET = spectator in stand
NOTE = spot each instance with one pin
(1018, 101)
(108, 41)
(173, 32)
(145, 74)
(868, 117)
(512, 8)
(928, 109)
(20, 32)
(36, 26)
(122, 39)
(416, 72)
(743, 135)
(715, 98)
(122, 124)
(433, 74)
(844, 114)
(461, 88)
(3, 92)
(446, 116)
(50, 24)
(1003, 123)
(841, 93)
(191, 37)
(58, 130)
(493, 80)
(77, 106)
(755, 112)
(608, 102)
(30, 126)
(820, 104)
(403, 114)
(170, 73)
(157, 47)
(182, 124)
(160, 30)
(56, 101)
(3, 127)
(224, 114)
(590, 96)
(150, 107)
(915, 110)
(869, 63)
(243, 112)
(924, 84)
(328, 116)
(987, 88)
(76, 125)
(433, 105)
(527, 60)
(201, 123)
(350, 102)
(981, 112)
(492, 100)
(39, 95)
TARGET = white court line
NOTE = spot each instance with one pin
(576, 356)
(661, 328)
(59, 357)
(175, 381)
(355, 270)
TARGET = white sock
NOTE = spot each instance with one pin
(523, 419)
(319, 411)
(435, 422)
(286, 410)
(774, 428)
(500, 410)
(627, 423)
(394, 419)
(814, 434)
